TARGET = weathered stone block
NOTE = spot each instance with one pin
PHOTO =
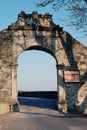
(4, 108)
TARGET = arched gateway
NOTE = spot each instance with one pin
(36, 31)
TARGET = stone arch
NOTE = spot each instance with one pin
(32, 47)
(40, 32)
(42, 48)
(46, 50)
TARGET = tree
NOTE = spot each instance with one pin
(77, 9)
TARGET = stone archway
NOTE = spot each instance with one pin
(39, 31)
(37, 77)
(38, 65)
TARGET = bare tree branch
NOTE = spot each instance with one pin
(77, 9)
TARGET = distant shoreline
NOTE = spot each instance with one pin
(39, 94)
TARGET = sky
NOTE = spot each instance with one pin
(36, 69)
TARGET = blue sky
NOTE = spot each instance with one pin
(36, 69)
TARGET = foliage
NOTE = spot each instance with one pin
(77, 9)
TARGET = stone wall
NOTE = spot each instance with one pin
(74, 57)
(5, 66)
(36, 31)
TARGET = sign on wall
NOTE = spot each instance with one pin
(71, 76)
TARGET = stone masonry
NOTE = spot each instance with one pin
(37, 31)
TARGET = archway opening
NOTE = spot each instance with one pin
(37, 79)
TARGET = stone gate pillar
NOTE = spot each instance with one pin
(14, 82)
(14, 106)
(62, 103)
